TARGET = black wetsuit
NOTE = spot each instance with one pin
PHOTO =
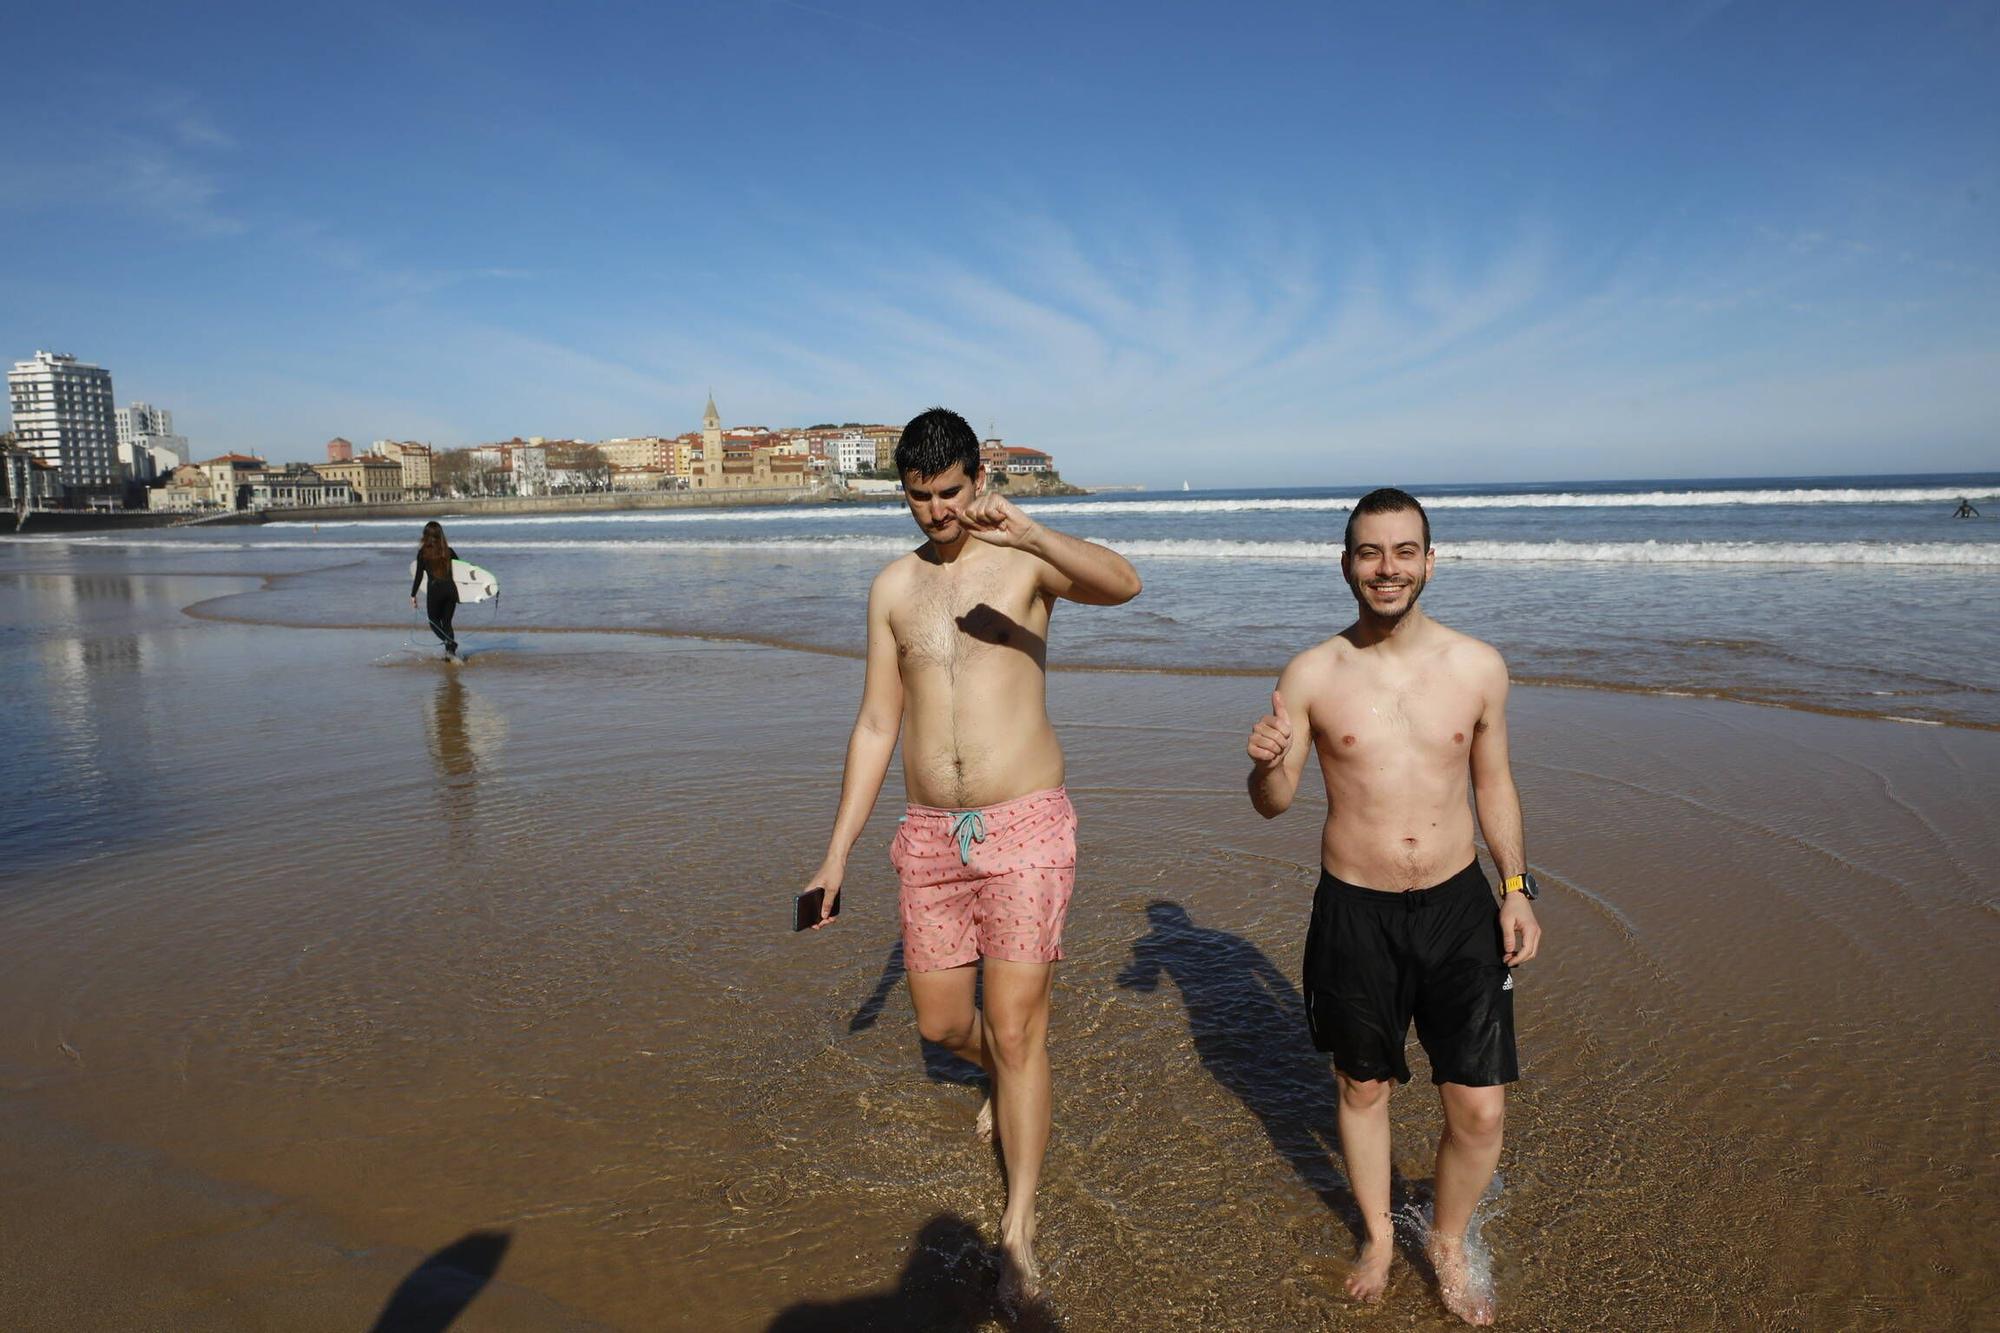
(442, 603)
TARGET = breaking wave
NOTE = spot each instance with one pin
(1931, 554)
(1690, 499)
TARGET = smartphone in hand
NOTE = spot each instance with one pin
(805, 912)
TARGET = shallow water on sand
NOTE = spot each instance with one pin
(410, 952)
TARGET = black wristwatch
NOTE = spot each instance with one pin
(1523, 884)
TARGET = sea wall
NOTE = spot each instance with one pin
(603, 502)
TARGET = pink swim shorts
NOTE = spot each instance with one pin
(989, 883)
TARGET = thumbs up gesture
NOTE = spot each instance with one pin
(1271, 738)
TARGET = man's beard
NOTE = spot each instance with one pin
(1416, 586)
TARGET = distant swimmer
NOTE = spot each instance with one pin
(1965, 509)
(434, 557)
(986, 855)
(1402, 711)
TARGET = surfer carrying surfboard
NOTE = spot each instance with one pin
(434, 557)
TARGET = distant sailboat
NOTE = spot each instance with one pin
(1184, 485)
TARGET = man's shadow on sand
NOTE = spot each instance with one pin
(950, 1284)
(940, 1065)
(1249, 1027)
(437, 1290)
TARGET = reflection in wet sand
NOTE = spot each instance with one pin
(466, 736)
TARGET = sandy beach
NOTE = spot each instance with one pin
(326, 960)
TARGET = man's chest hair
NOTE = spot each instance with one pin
(932, 623)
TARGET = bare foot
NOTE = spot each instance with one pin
(1020, 1275)
(1370, 1274)
(1464, 1294)
(982, 1124)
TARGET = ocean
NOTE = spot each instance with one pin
(1857, 595)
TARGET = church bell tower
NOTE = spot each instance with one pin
(711, 444)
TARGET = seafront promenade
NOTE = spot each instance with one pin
(595, 502)
(616, 501)
(62, 522)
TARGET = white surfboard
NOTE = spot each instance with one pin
(474, 583)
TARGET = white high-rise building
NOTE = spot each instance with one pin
(147, 445)
(143, 419)
(63, 416)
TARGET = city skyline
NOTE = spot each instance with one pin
(1301, 248)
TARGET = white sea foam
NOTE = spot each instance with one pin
(1985, 554)
(1624, 553)
(1841, 495)
(1929, 554)
(660, 545)
(1537, 500)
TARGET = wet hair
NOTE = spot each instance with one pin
(433, 550)
(1385, 500)
(934, 440)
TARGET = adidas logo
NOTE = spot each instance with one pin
(1508, 984)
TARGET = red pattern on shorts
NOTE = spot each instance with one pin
(1009, 902)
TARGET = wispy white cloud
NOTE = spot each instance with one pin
(1140, 354)
(191, 126)
(1150, 358)
(376, 278)
(159, 183)
(156, 164)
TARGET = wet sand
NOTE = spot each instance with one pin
(352, 979)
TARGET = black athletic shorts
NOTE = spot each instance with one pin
(1374, 960)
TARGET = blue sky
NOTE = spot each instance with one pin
(1247, 243)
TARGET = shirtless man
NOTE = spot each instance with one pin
(986, 858)
(1404, 923)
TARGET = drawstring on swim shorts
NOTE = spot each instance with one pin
(968, 826)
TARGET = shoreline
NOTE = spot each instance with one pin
(1749, 691)
(200, 611)
(266, 579)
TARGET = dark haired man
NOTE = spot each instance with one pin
(1401, 710)
(986, 856)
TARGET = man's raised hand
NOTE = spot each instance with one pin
(1271, 738)
(997, 520)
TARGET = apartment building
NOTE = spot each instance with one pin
(64, 417)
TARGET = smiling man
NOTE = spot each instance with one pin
(1402, 712)
(986, 856)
